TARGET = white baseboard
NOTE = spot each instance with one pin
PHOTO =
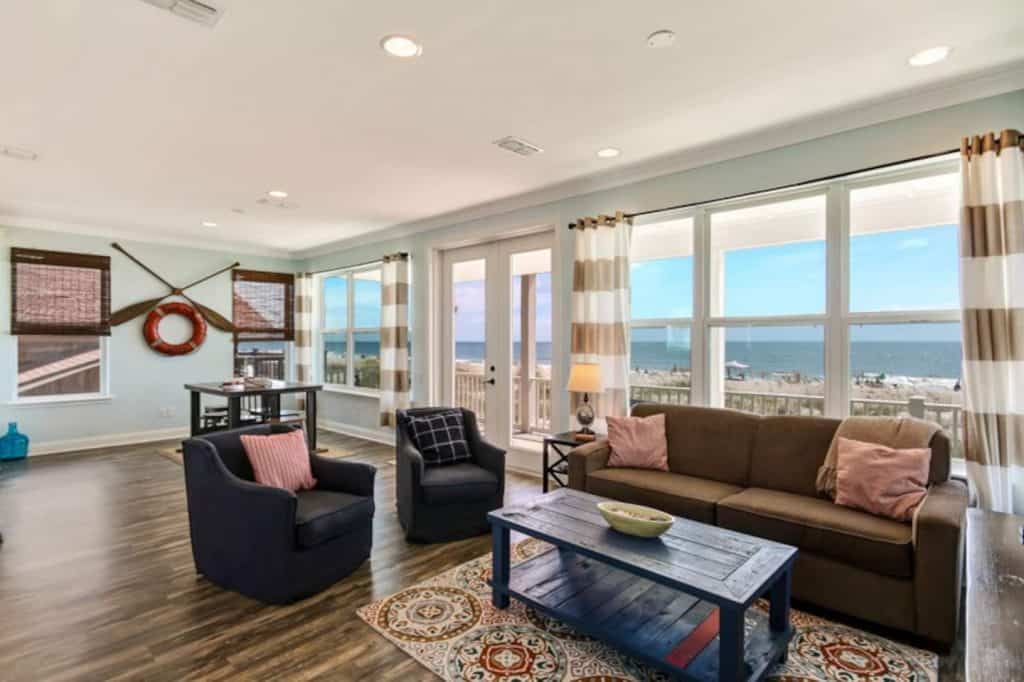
(107, 440)
(383, 436)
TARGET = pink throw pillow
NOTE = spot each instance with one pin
(638, 442)
(881, 480)
(280, 460)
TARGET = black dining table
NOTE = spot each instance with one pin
(270, 403)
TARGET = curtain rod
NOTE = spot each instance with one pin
(355, 265)
(802, 183)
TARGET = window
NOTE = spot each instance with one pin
(831, 299)
(661, 304)
(350, 328)
(60, 313)
(264, 319)
(767, 269)
(903, 327)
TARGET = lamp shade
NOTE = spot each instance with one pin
(585, 377)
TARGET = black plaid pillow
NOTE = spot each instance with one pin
(440, 437)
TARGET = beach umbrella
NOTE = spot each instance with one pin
(733, 364)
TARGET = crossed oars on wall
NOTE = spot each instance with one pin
(132, 311)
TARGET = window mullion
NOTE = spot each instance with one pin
(350, 355)
(699, 370)
(837, 300)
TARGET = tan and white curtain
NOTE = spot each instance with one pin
(304, 329)
(992, 295)
(394, 337)
(600, 307)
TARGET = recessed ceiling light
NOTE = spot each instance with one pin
(660, 39)
(608, 153)
(209, 223)
(403, 47)
(277, 194)
(933, 55)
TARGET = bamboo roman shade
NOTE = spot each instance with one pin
(263, 305)
(59, 293)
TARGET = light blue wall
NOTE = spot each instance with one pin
(853, 150)
(141, 381)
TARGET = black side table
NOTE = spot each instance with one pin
(561, 443)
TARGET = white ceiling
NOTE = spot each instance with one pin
(149, 124)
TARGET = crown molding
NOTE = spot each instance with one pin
(935, 96)
(43, 223)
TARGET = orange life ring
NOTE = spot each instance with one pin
(151, 329)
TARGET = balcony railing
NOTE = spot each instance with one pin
(269, 365)
(469, 393)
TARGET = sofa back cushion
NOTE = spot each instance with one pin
(707, 442)
(788, 452)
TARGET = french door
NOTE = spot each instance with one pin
(496, 329)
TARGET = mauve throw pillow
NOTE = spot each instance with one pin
(638, 442)
(881, 480)
(280, 460)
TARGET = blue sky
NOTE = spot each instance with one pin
(906, 269)
(367, 303)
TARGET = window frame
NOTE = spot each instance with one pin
(836, 320)
(350, 331)
(103, 394)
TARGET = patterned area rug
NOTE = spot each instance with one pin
(447, 624)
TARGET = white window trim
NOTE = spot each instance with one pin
(103, 394)
(349, 331)
(837, 318)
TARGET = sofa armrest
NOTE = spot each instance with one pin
(939, 532)
(585, 460)
(345, 477)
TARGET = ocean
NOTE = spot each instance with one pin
(915, 359)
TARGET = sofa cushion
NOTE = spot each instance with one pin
(678, 494)
(463, 482)
(707, 442)
(820, 527)
(788, 452)
(322, 515)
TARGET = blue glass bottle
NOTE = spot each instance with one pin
(14, 445)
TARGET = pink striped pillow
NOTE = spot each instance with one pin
(280, 460)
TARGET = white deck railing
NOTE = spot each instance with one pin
(469, 393)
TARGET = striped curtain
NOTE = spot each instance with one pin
(992, 295)
(394, 337)
(303, 329)
(600, 308)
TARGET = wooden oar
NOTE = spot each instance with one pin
(212, 316)
(203, 279)
(130, 312)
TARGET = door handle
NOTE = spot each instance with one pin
(490, 381)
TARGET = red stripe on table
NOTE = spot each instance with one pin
(694, 643)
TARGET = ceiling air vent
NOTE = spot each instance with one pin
(200, 12)
(518, 145)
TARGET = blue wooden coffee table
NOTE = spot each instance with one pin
(678, 602)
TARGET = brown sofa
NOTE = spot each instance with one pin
(757, 475)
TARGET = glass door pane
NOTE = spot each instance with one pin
(531, 342)
(469, 336)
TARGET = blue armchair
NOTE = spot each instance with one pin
(269, 543)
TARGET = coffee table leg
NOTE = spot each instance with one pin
(731, 665)
(500, 566)
(778, 611)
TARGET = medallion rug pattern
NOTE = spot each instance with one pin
(448, 625)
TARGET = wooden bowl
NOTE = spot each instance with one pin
(633, 519)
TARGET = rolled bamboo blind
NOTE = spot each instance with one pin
(263, 305)
(59, 293)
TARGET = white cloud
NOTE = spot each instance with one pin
(914, 243)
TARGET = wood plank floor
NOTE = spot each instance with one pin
(97, 581)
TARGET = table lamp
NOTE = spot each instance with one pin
(585, 378)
